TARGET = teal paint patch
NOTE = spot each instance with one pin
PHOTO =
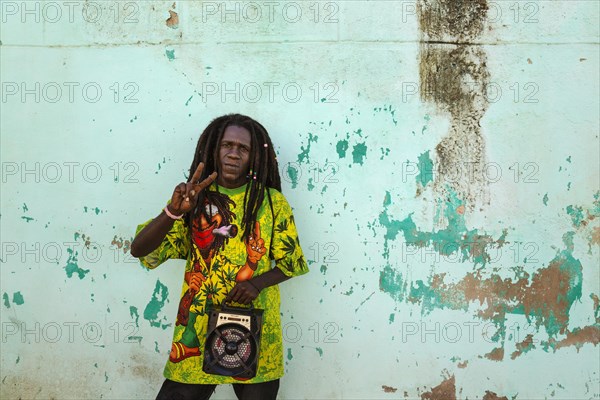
(384, 152)
(323, 269)
(27, 219)
(320, 351)
(105, 377)
(18, 359)
(156, 347)
(304, 154)
(133, 312)
(576, 214)
(188, 100)
(545, 199)
(289, 354)
(310, 185)
(96, 210)
(341, 147)
(470, 244)
(425, 166)
(293, 175)
(544, 298)
(349, 292)
(391, 282)
(25, 209)
(359, 153)
(392, 317)
(72, 267)
(388, 109)
(170, 54)
(159, 297)
(6, 300)
(364, 301)
(18, 298)
(137, 339)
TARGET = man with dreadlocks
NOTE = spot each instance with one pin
(229, 220)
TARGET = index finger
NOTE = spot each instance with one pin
(205, 183)
(198, 173)
(256, 230)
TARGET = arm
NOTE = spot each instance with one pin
(245, 292)
(184, 199)
(152, 235)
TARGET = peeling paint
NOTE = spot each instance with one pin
(173, 20)
(170, 54)
(157, 302)
(6, 300)
(303, 156)
(341, 147)
(389, 389)
(72, 267)
(444, 391)
(425, 174)
(18, 298)
(492, 396)
(523, 347)
(456, 238)
(577, 337)
(120, 243)
(359, 153)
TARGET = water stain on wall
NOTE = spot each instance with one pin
(454, 76)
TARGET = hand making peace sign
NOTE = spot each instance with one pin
(185, 195)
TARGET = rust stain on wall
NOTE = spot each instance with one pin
(121, 243)
(578, 337)
(173, 20)
(496, 355)
(444, 391)
(493, 396)
(454, 77)
(389, 389)
(523, 347)
(447, 391)
(547, 296)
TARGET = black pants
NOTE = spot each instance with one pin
(171, 390)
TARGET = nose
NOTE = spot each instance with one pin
(234, 153)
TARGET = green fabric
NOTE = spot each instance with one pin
(219, 277)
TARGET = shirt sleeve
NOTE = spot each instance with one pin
(176, 244)
(285, 249)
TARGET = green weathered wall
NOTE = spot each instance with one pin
(441, 158)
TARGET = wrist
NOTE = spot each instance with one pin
(172, 214)
(256, 284)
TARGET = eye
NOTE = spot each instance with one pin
(211, 210)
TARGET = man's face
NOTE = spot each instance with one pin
(234, 157)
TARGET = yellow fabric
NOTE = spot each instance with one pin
(220, 278)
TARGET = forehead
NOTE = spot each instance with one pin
(237, 134)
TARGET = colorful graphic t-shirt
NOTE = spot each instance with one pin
(216, 259)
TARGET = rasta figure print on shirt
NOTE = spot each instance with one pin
(217, 257)
(210, 275)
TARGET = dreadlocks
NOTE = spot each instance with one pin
(262, 162)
